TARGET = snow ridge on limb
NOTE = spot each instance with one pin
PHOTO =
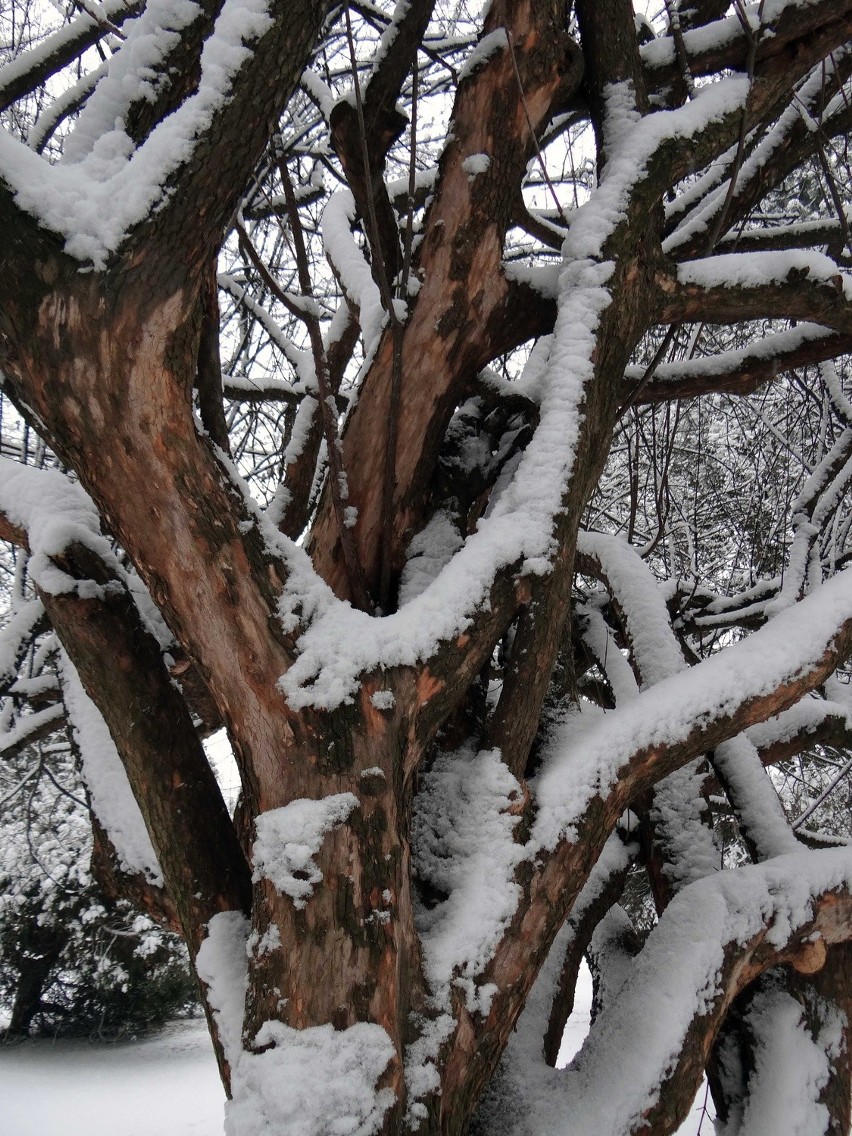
(15, 636)
(520, 1099)
(111, 797)
(715, 937)
(54, 513)
(791, 1069)
(695, 710)
(32, 67)
(112, 186)
(520, 527)
(678, 810)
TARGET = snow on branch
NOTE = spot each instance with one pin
(106, 184)
(15, 638)
(519, 529)
(525, 1094)
(351, 267)
(770, 159)
(763, 269)
(791, 1067)
(813, 721)
(112, 799)
(691, 712)
(55, 513)
(740, 370)
(301, 361)
(714, 938)
(31, 68)
(30, 728)
(689, 849)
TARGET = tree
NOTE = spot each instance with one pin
(74, 960)
(508, 546)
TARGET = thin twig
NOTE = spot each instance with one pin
(337, 475)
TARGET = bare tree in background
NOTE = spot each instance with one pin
(455, 408)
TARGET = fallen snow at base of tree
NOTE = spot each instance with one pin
(312, 1082)
(164, 1085)
(288, 839)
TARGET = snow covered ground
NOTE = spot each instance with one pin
(166, 1085)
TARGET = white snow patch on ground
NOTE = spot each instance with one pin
(166, 1085)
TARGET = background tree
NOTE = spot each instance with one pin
(73, 959)
(456, 408)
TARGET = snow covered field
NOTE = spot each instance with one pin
(166, 1085)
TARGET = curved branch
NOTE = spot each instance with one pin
(707, 950)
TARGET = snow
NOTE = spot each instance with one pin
(679, 810)
(790, 1071)
(222, 964)
(288, 839)
(728, 362)
(105, 185)
(382, 700)
(476, 164)
(759, 269)
(635, 590)
(583, 760)
(301, 361)
(804, 717)
(21, 65)
(676, 977)
(312, 1082)
(351, 266)
(489, 45)
(14, 636)
(429, 551)
(520, 527)
(758, 806)
(462, 844)
(55, 513)
(165, 1085)
(709, 202)
(112, 799)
